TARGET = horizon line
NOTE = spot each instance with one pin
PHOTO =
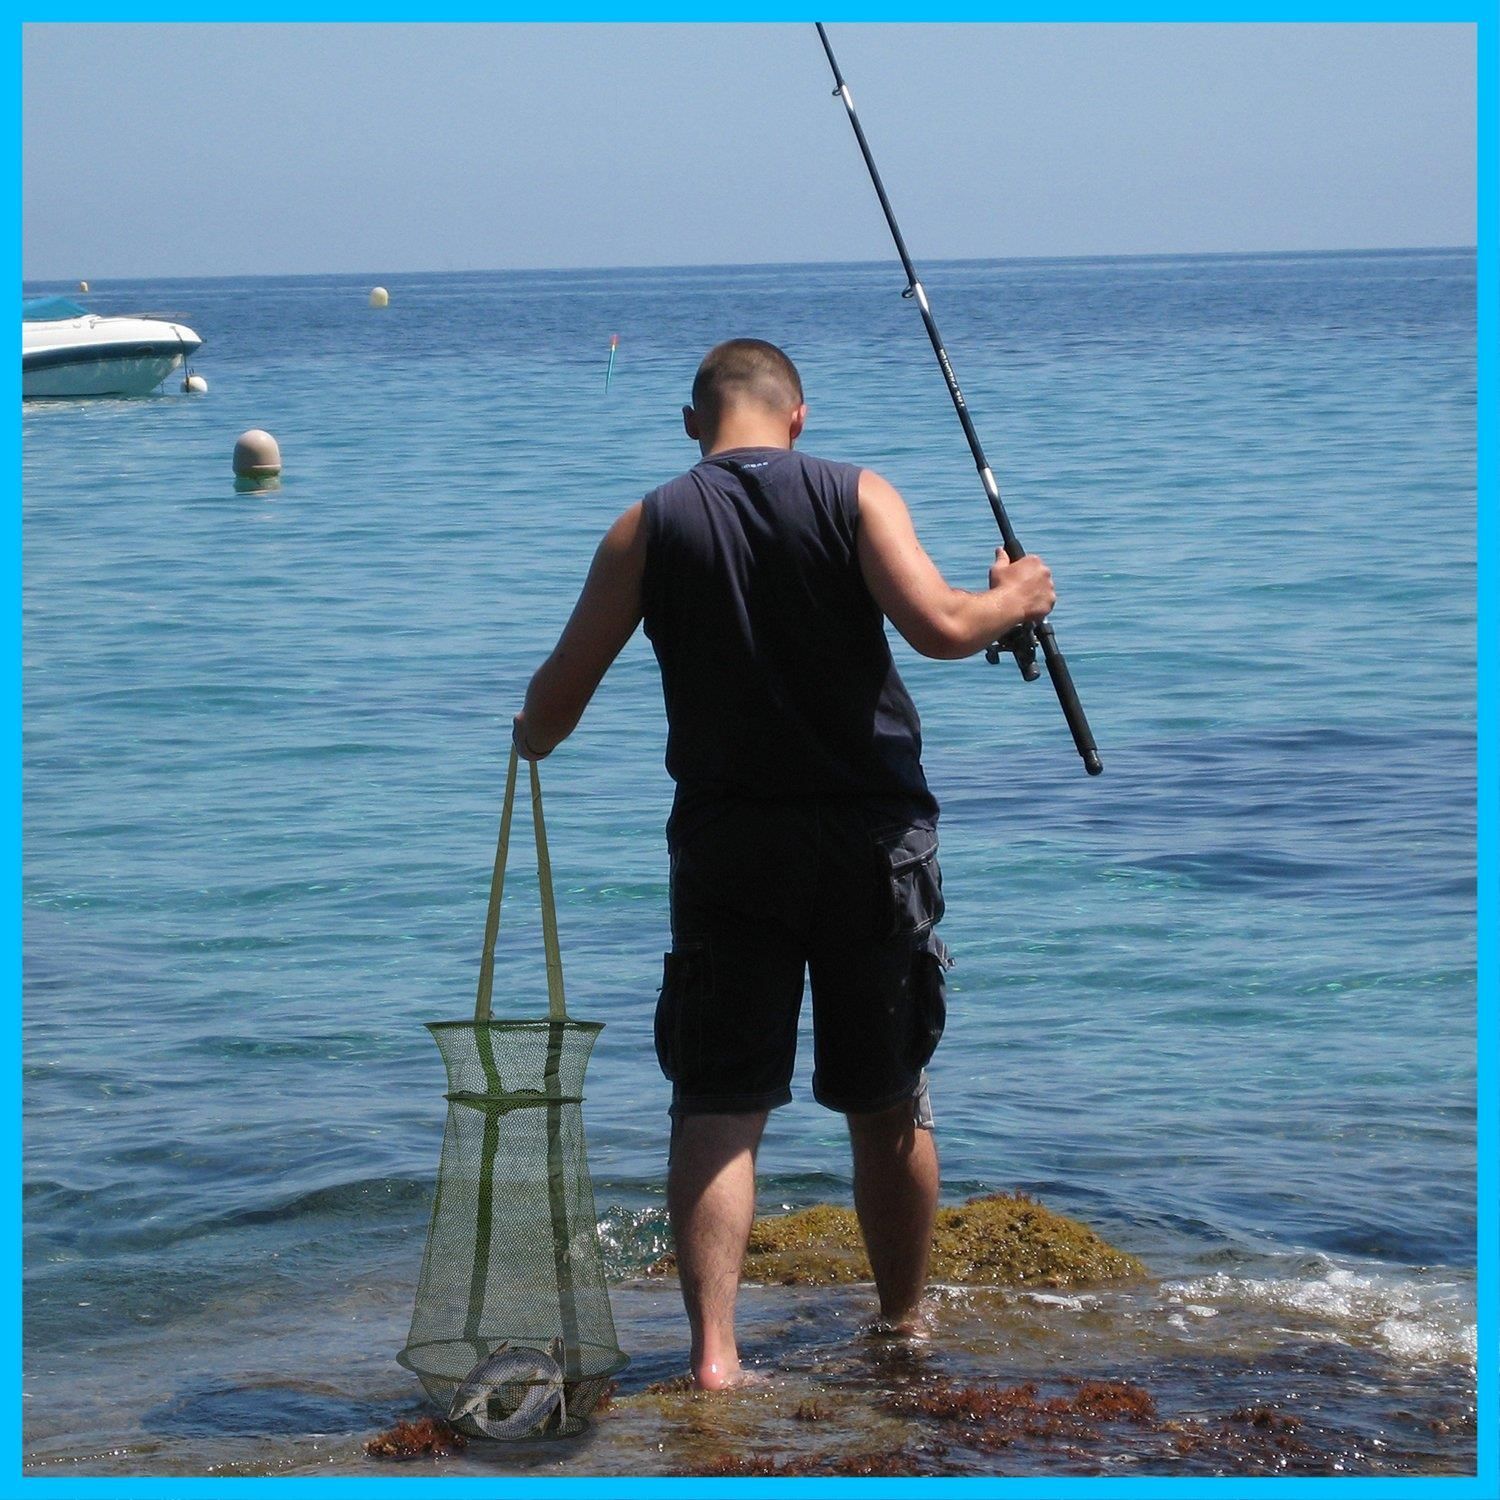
(1140, 255)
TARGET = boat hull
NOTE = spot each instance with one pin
(87, 373)
(101, 356)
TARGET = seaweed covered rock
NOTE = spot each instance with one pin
(1011, 1241)
(1001, 1240)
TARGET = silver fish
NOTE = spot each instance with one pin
(529, 1377)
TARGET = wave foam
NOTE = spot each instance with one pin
(1415, 1321)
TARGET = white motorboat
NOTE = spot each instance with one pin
(68, 351)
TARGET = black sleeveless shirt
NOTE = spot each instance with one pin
(777, 675)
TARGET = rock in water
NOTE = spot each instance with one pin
(1002, 1240)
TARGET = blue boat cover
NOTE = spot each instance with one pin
(50, 309)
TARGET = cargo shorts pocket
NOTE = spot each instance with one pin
(929, 989)
(913, 883)
(685, 989)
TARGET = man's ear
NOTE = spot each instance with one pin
(690, 422)
(799, 419)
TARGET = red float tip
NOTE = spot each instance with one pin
(614, 339)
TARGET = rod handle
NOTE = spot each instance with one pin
(1022, 644)
(1067, 696)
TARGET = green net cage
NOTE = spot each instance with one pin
(512, 1334)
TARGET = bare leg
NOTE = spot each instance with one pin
(895, 1195)
(711, 1201)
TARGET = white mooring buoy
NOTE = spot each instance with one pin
(194, 383)
(83, 286)
(379, 297)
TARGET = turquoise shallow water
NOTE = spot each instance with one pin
(1218, 1002)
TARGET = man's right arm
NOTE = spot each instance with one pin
(936, 619)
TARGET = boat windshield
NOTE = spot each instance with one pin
(50, 309)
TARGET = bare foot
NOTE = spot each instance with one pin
(913, 1328)
(715, 1377)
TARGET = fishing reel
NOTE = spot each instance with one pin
(1021, 644)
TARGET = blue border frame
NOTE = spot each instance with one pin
(1488, 768)
(1485, 1485)
(11, 916)
(1079, 11)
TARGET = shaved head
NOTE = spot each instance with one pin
(744, 372)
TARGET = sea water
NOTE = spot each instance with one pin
(1218, 1003)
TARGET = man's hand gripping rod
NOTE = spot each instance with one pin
(1024, 640)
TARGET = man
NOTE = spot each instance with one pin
(802, 836)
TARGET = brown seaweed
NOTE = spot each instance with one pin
(427, 1437)
(987, 1418)
(1259, 1446)
(1267, 1417)
(888, 1463)
(997, 1416)
(672, 1386)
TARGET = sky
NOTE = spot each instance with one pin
(159, 150)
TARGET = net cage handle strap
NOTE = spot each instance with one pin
(557, 1009)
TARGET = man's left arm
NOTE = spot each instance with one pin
(605, 617)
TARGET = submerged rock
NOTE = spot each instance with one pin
(1002, 1240)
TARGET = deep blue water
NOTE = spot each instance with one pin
(1219, 1001)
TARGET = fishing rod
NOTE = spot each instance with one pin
(1022, 642)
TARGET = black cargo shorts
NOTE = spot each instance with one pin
(767, 893)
